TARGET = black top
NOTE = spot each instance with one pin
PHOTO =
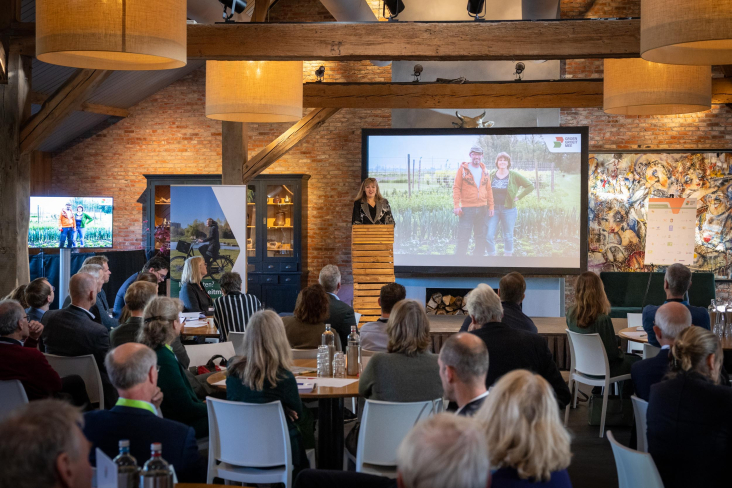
(499, 186)
(213, 237)
(648, 372)
(690, 431)
(513, 316)
(365, 214)
(195, 298)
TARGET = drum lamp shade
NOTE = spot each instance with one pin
(692, 32)
(639, 87)
(254, 91)
(112, 34)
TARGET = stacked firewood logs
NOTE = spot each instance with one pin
(440, 304)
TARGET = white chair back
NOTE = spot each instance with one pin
(304, 354)
(634, 468)
(12, 396)
(650, 351)
(383, 427)
(199, 354)
(588, 354)
(635, 320)
(84, 366)
(237, 340)
(639, 409)
(248, 435)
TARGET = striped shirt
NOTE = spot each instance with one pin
(232, 312)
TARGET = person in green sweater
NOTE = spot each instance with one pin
(589, 315)
(508, 188)
(263, 375)
(82, 218)
(160, 328)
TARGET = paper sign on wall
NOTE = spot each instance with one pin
(670, 235)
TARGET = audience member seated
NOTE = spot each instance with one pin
(340, 316)
(263, 375)
(305, 327)
(133, 371)
(589, 315)
(527, 443)
(463, 367)
(671, 319)
(43, 447)
(141, 277)
(676, 283)
(160, 328)
(233, 310)
(71, 331)
(512, 291)
(97, 272)
(509, 348)
(105, 311)
(39, 295)
(689, 424)
(441, 451)
(19, 357)
(373, 334)
(407, 372)
(18, 294)
(157, 266)
(194, 296)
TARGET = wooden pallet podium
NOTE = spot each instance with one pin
(372, 258)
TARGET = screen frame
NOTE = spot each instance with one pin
(74, 196)
(421, 271)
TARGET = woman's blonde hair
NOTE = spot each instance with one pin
(158, 317)
(590, 299)
(691, 349)
(408, 328)
(520, 418)
(266, 351)
(361, 197)
(191, 273)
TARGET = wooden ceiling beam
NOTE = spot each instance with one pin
(39, 99)
(261, 7)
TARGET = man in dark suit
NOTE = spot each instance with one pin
(463, 368)
(341, 317)
(100, 309)
(512, 291)
(670, 319)
(72, 331)
(509, 348)
(133, 370)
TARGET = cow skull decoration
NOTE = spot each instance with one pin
(472, 122)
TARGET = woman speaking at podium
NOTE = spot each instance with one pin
(370, 207)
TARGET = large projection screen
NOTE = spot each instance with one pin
(443, 218)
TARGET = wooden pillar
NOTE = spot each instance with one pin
(234, 139)
(14, 175)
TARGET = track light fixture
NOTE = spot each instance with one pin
(395, 7)
(520, 67)
(236, 7)
(417, 72)
(320, 74)
(477, 9)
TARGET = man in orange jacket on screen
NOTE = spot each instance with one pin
(66, 226)
(472, 202)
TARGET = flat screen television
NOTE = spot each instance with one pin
(443, 220)
(74, 222)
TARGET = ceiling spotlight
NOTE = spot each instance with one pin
(417, 72)
(477, 9)
(520, 67)
(395, 7)
(236, 7)
(320, 74)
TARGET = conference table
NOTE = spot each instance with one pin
(330, 413)
(201, 328)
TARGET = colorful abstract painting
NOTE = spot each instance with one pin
(620, 186)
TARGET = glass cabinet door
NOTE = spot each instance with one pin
(251, 221)
(280, 221)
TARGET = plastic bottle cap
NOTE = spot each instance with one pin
(156, 446)
(124, 443)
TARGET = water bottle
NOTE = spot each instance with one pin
(127, 470)
(339, 365)
(323, 361)
(354, 352)
(156, 472)
(720, 322)
(328, 339)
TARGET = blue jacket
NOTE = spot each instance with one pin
(649, 372)
(699, 317)
(34, 313)
(119, 299)
(105, 428)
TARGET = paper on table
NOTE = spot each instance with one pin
(220, 383)
(330, 382)
(636, 335)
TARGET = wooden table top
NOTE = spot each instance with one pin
(319, 392)
(442, 324)
(208, 330)
(634, 335)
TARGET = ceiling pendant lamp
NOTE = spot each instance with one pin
(254, 91)
(697, 32)
(112, 34)
(639, 87)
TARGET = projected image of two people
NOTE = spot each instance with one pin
(70, 222)
(480, 196)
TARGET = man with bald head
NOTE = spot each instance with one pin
(463, 367)
(71, 331)
(132, 368)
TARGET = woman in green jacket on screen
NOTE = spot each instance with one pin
(508, 188)
(82, 218)
(160, 328)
